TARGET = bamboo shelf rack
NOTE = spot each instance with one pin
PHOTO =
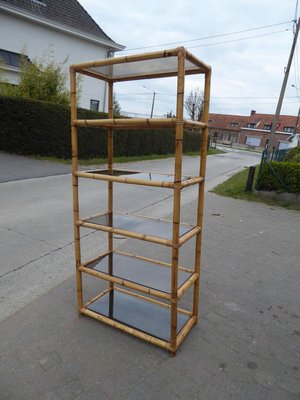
(142, 294)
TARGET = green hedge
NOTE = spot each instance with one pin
(289, 173)
(30, 127)
(293, 155)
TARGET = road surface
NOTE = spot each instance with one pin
(36, 216)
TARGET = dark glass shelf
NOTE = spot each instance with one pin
(137, 270)
(147, 176)
(137, 313)
(142, 225)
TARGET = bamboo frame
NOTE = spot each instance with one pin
(187, 64)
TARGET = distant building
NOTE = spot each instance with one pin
(254, 131)
(60, 29)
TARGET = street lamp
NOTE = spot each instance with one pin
(153, 99)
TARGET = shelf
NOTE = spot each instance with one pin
(137, 312)
(138, 227)
(146, 275)
(151, 65)
(138, 178)
(137, 123)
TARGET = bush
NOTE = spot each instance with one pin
(31, 127)
(293, 155)
(289, 173)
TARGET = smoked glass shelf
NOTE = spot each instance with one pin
(137, 313)
(139, 177)
(147, 275)
(139, 227)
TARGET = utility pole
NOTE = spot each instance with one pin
(283, 87)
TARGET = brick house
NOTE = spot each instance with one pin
(254, 130)
(62, 28)
(226, 129)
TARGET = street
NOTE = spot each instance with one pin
(246, 344)
(36, 217)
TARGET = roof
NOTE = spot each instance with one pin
(66, 13)
(266, 119)
(225, 121)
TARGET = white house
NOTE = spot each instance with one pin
(60, 29)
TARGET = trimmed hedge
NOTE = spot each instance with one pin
(289, 173)
(293, 155)
(31, 127)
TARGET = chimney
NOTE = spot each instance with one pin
(253, 112)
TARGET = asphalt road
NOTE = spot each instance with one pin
(36, 216)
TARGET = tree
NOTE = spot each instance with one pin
(170, 114)
(116, 107)
(42, 79)
(194, 104)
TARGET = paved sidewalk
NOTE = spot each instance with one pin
(245, 347)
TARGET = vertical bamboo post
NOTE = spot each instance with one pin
(75, 188)
(201, 193)
(177, 195)
(110, 194)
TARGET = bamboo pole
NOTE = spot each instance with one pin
(185, 330)
(75, 188)
(201, 194)
(192, 181)
(177, 195)
(126, 59)
(187, 284)
(126, 283)
(124, 232)
(110, 149)
(137, 123)
(189, 235)
(132, 181)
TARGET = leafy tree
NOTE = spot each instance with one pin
(116, 107)
(194, 104)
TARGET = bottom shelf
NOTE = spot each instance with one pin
(138, 315)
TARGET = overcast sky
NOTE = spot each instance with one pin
(248, 69)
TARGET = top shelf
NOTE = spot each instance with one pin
(146, 66)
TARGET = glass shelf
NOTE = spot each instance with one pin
(137, 313)
(140, 271)
(155, 230)
(139, 177)
(151, 176)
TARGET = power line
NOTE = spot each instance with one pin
(238, 40)
(210, 37)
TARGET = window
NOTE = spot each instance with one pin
(251, 125)
(234, 124)
(210, 121)
(225, 136)
(267, 127)
(10, 58)
(289, 129)
(94, 105)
